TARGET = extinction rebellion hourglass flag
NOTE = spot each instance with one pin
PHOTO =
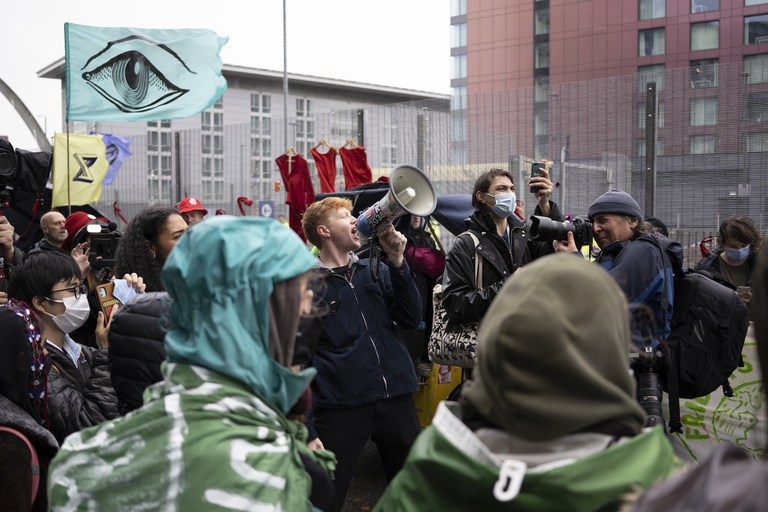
(131, 74)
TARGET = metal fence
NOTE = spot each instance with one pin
(708, 132)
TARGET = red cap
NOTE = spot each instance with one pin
(191, 204)
(75, 223)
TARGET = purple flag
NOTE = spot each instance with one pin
(117, 152)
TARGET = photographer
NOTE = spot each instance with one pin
(9, 256)
(631, 256)
(505, 244)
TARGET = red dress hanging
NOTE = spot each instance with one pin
(356, 168)
(326, 169)
(298, 187)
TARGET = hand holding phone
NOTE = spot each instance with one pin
(107, 299)
(537, 171)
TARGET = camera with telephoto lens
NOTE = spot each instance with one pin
(648, 365)
(21, 169)
(544, 228)
(102, 238)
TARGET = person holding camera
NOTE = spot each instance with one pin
(733, 262)
(9, 256)
(629, 252)
(504, 243)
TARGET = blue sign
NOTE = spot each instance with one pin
(267, 209)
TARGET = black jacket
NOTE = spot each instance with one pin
(136, 347)
(79, 396)
(462, 300)
(711, 263)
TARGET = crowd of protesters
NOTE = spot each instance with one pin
(241, 371)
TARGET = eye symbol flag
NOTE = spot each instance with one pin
(131, 74)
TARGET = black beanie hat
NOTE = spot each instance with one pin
(615, 201)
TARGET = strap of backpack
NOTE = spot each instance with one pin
(35, 462)
(673, 385)
(478, 262)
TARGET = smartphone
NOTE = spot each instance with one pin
(107, 300)
(536, 172)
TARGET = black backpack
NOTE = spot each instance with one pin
(709, 325)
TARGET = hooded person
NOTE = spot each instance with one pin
(551, 421)
(24, 434)
(214, 433)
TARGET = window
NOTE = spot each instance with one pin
(219, 102)
(205, 144)
(166, 165)
(757, 142)
(705, 36)
(218, 167)
(647, 74)
(756, 68)
(255, 147)
(218, 121)
(205, 120)
(458, 35)
(756, 108)
(756, 29)
(541, 123)
(152, 141)
(755, 2)
(255, 125)
(459, 98)
(458, 66)
(704, 5)
(541, 88)
(206, 167)
(541, 56)
(266, 104)
(703, 73)
(641, 115)
(652, 42)
(255, 102)
(151, 124)
(218, 144)
(165, 123)
(458, 7)
(218, 191)
(701, 144)
(703, 111)
(541, 26)
(207, 190)
(153, 164)
(165, 141)
(652, 9)
(266, 125)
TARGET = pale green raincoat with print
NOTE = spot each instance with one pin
(213, 434)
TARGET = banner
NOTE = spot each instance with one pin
(80, 183)
(117, 152)
(130, 74)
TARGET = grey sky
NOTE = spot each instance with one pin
(399, 43)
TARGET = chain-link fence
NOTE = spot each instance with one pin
(709, 135)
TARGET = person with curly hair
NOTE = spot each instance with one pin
(733, 262)
(147, 242)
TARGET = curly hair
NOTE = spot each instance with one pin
(740, 228)
(317, 213)
(133, 254)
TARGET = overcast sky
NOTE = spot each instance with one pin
(399, 43)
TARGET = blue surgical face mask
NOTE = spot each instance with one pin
(737, 254)
(505, 204)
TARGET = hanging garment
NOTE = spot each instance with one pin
(356, 168)
(298, 187)
(326, 169)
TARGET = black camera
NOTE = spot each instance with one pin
(26, 170)
(103, 239)
(544, 228)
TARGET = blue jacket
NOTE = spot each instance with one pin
(637, 268)
(361, 357)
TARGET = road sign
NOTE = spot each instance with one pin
(267, 209)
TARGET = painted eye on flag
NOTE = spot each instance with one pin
(135, 74)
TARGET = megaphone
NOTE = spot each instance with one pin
(410, 191)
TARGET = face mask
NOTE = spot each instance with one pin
(505, 204)
(75, 314)
(737, 254)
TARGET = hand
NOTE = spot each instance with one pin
(315, 444)
(102, 328)
(565, 245)
(135, 282)
(82, 253)
(6, 239)
(3, 298)
(545, 190)
(393, 242)
(745, 297)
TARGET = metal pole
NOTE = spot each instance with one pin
(285, 75)
(177, 154)
(650, 148)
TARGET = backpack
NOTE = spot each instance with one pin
(708, 329)
(35, 469)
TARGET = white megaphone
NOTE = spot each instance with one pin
(410, 191)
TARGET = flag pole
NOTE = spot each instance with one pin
(69, 158)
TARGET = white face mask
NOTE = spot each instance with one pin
(75, 314)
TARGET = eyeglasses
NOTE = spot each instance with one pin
(78, 290)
